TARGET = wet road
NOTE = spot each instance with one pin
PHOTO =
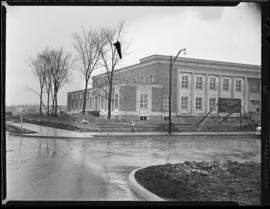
(98, 168)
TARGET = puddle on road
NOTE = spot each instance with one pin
(98, 169)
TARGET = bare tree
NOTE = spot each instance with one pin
(87, 45)
(38, 68)
(46, 58)
(61, 72)
(110, 57)
(53, 69)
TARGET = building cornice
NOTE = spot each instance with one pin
(190, 62)
(193, 61)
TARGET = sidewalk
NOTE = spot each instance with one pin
(47, 132)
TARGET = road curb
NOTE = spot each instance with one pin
(54, 137)
(140, 190)
(182, 134)
(94, 135)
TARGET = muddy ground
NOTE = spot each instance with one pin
(204, 181)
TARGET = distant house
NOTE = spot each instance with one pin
(141, 91)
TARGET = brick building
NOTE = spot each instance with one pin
(141, 91)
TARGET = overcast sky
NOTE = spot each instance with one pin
(231, 34)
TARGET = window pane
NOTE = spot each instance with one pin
(212, 83)
(116, 101)
(143, 100)
(184, 83)
(225, 84)
(254, 87)
(90, 103)
(198, 82)
(198, 103)
(151, 79)
(184, 103)
(165, 101)
(238, 85)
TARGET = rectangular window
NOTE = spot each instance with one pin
(254, 87)
(184, 103)
(134, 80)
(99, 103)
(90, 102)
(199, 83)
(198, 103)
(225, 84)
(151, 79)
(165, 101)
(116, 101)
(212, 103)
(81, 104)
(143, 101)
(213, 84)
(102, 102)
(184, 83)
(238, 85)
(143, 117)
(96, 103)
(142, 79)
(87, 101)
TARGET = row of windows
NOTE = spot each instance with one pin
(142, 79)
(184, 102)
(96, 103)
(100, 102)
(212, 83)
(198, 103)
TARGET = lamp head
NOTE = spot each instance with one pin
(185, 51)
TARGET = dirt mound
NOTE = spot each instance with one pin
(204, 181)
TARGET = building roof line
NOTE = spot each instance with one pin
(157, 58)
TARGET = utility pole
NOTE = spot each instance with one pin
(170, 91)
(170, 98)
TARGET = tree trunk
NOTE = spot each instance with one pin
(84, 97)
(40, 102)
(110, 100)
(110, 95)
(52, 97)
(48, 103)
(55, 104)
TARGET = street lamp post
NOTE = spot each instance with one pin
(170, 87)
